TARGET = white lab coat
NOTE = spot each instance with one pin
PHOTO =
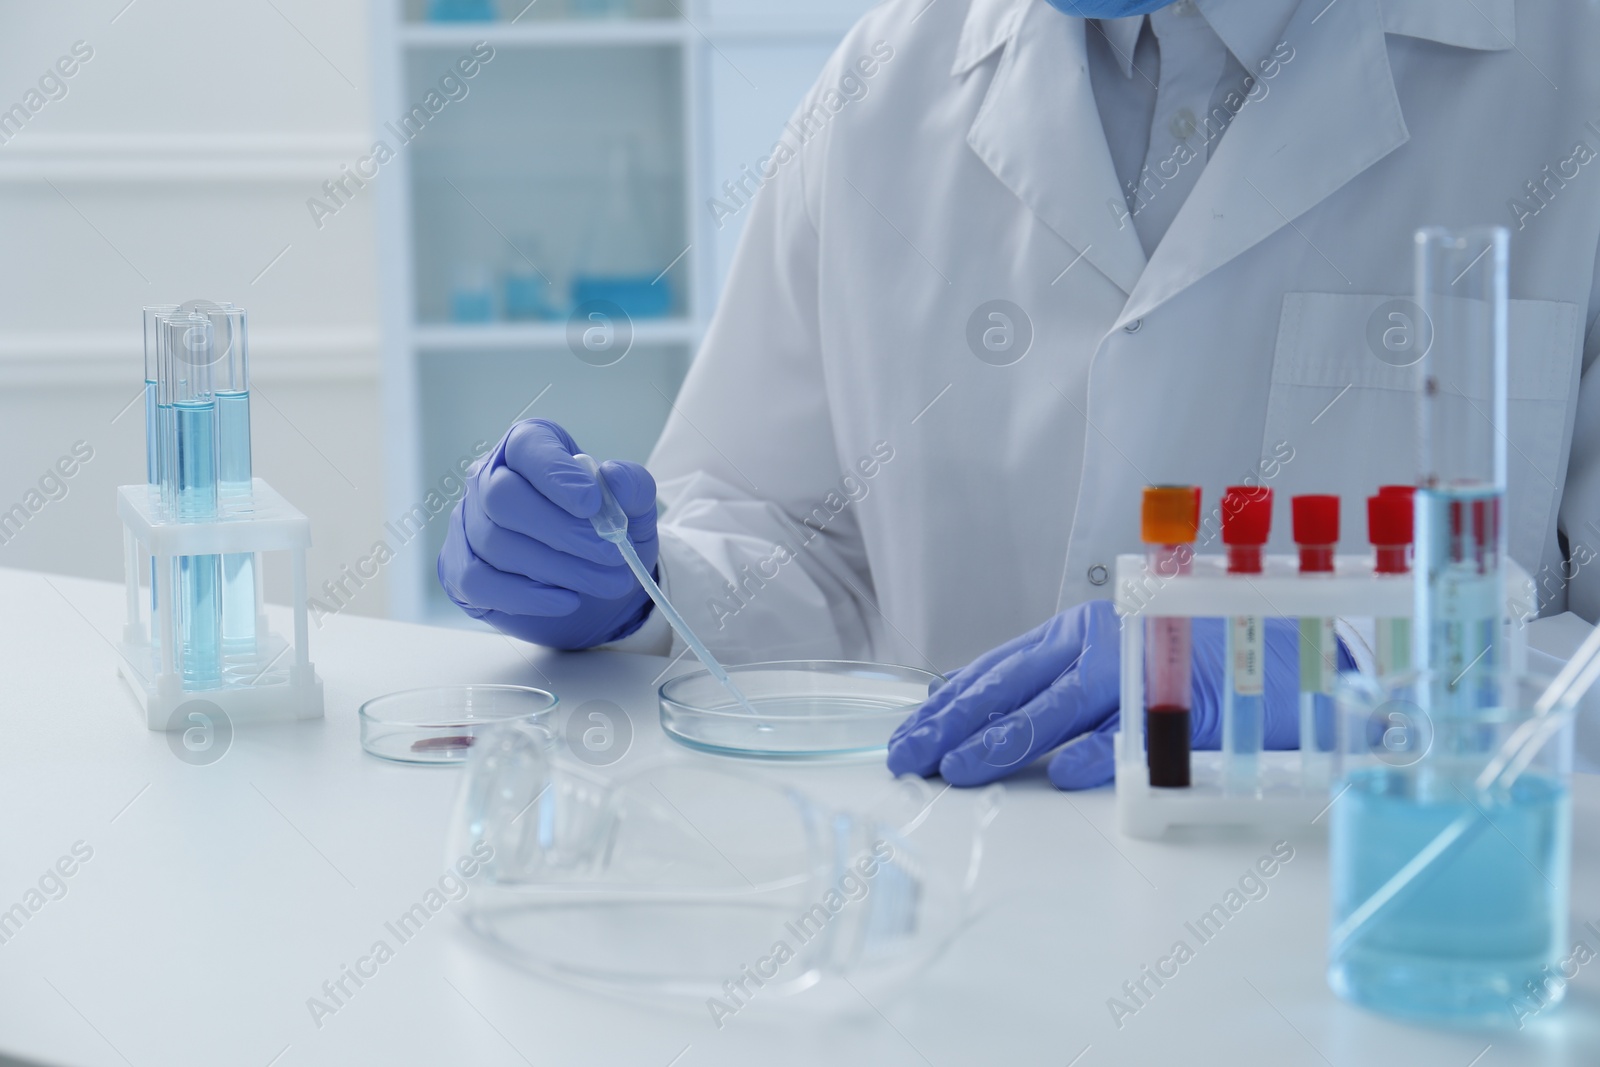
(974, 169)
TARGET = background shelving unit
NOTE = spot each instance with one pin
(512, 172)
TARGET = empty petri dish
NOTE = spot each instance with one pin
(440, 724)
(807, 709)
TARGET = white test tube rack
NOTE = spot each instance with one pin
(1293, 786)
(283, 684)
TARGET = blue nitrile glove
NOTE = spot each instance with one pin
(1062, 680)
(522, 555)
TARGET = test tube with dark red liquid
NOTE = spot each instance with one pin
(1169, 519)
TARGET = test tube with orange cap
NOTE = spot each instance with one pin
(1169, 521)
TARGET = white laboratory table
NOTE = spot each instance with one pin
(219, 898)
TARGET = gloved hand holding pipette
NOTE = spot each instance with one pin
(522, 554)
(1060, 681)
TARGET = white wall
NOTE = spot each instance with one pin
(177, 166)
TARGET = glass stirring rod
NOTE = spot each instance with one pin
(611, 523)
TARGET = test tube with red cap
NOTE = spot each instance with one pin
(1246, 524)
(1390, 526)
(1169, 520)
(1316, 533)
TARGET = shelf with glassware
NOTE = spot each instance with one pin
(538, 230)
(523, 12)
(468, 339)
(528, 215)
(546, 33)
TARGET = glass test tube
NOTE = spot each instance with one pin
(1461, 280)
(1316, 533)
(1170, 518)
(154, 430)
(1389, 529)
(232, 368)
(1246, 525)
(189, 351)
(152, 389)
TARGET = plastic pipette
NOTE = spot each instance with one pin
(611, 523)
(1555, 706)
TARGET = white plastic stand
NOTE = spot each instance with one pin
(280, 683)
(1293, 786)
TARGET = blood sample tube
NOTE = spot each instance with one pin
(1390, 525)
(1246, 524)
(1316, 532)
(1169, 520)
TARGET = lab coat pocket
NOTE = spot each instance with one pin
(1343, 399)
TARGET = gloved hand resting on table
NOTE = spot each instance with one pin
(522, 555)
(1062, 680)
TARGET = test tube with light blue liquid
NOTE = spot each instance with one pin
(190, 353)
(154, 428)
(1246, 525)
(1390, 528)
(232, 369)
(1316, 535)
(1465, 932)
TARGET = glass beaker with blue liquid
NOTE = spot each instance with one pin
(1449, 890)
(1451, 833)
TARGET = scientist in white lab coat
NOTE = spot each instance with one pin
(1011, 262)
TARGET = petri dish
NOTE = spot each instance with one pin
(440, 724)
(808, 709)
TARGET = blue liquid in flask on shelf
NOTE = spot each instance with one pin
(199, 604)
(640, 296)
(1468, 941)
(461, 11)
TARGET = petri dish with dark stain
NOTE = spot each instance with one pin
(440, 724)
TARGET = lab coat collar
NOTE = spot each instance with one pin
(1038, 130)
(1328, 113)
(1250, 28)
(1123, 34)
(1485, 25)
(990, 24)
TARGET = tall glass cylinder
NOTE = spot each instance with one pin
(1462, 295)
(1448, 874)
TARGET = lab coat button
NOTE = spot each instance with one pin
(1183, 124)
(1098, 575)
(1133, 327)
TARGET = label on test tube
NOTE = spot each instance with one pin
(1318, 649)
(1249, 678)
(1393, 653)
